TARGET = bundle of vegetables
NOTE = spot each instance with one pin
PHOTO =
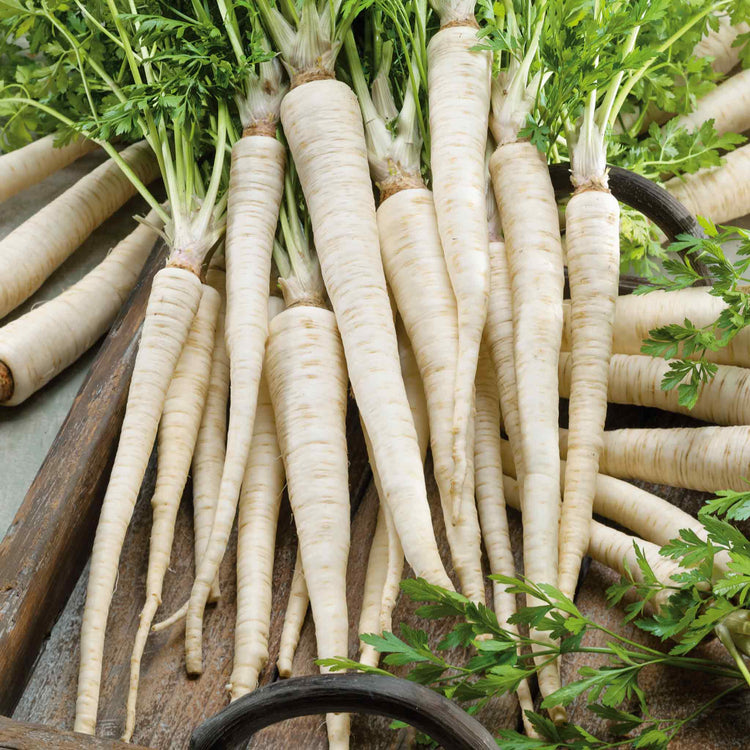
(441, 303)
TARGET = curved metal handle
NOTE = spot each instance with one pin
(394, 697)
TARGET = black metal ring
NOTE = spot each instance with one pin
(431, 713)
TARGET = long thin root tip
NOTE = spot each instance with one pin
(7, 386)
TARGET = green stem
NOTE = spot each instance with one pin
(213, 186)
(606, 109)
(230, 24)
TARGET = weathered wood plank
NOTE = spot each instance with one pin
(46, 547)
(15, 735)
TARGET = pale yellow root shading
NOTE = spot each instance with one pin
(412, 255)
(649, 516)
(26, 166)
(491, 503)
(42, 343)
(294, 617)
(593, 253)
(178, 430)
(707, 459)
(323, 125)
(459, 96)
(720, 193)
(172, 305)
(260, 499)
(615, 549)
(636, 379)
(728, 105)
(33, 250)
(523, 189)
(719, 44)
(210, 447)
(256, 183)
(308, 383)
(636, 315)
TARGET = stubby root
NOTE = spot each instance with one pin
(6, 383)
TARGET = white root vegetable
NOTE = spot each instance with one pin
(294, 617)
(728, 105)
(210, 446)
(32, 251)
(28, 165)
(459, 96)
(412, 255)
(42, 343)
(635, 316)
(491, 504)
(720, 193)
(178, 431)
(323, 126)
(260, 499)
(172, 305)
(593, 255)
(668, 456)
(256, 184)
(615, 549)
(649, 516)
(719, 44)
(636, 379)
(304, 347)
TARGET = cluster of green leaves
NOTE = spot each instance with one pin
(687, 345)
(502, 659)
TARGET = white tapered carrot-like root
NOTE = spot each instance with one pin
(172, 305)
(614, 548)
(412, 253)
(260, 499)
(522, 187)
(499, 336)
(26, 166)
(668, 456)
(645, 514)
(294, 617)
(32, 251)
(593, 254)
(304, 347)
(636, 379)
(636, 315)
(459, 96)
(42, 343)
(728, 105)
(178, 431)
(488, 472)
(721, 193)
(719, 44)
(323, 125)
(256, 184)
(210, 446)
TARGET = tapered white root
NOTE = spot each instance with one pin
(32, 251)
(636, 379)
(708, 459)
(720, 193)
(522, 187)
(256, 183)
(323, 125)
(178, 431)
(728, 105)
(260, 499)
(42, 343)
(296, 609)
(172, 305)
(635, 316)
(304, 347)
(488, 473)
(210, 447)
(26, 166)
(459, 93)
(593, 254)
(719, 44)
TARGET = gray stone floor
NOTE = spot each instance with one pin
(26, 431)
